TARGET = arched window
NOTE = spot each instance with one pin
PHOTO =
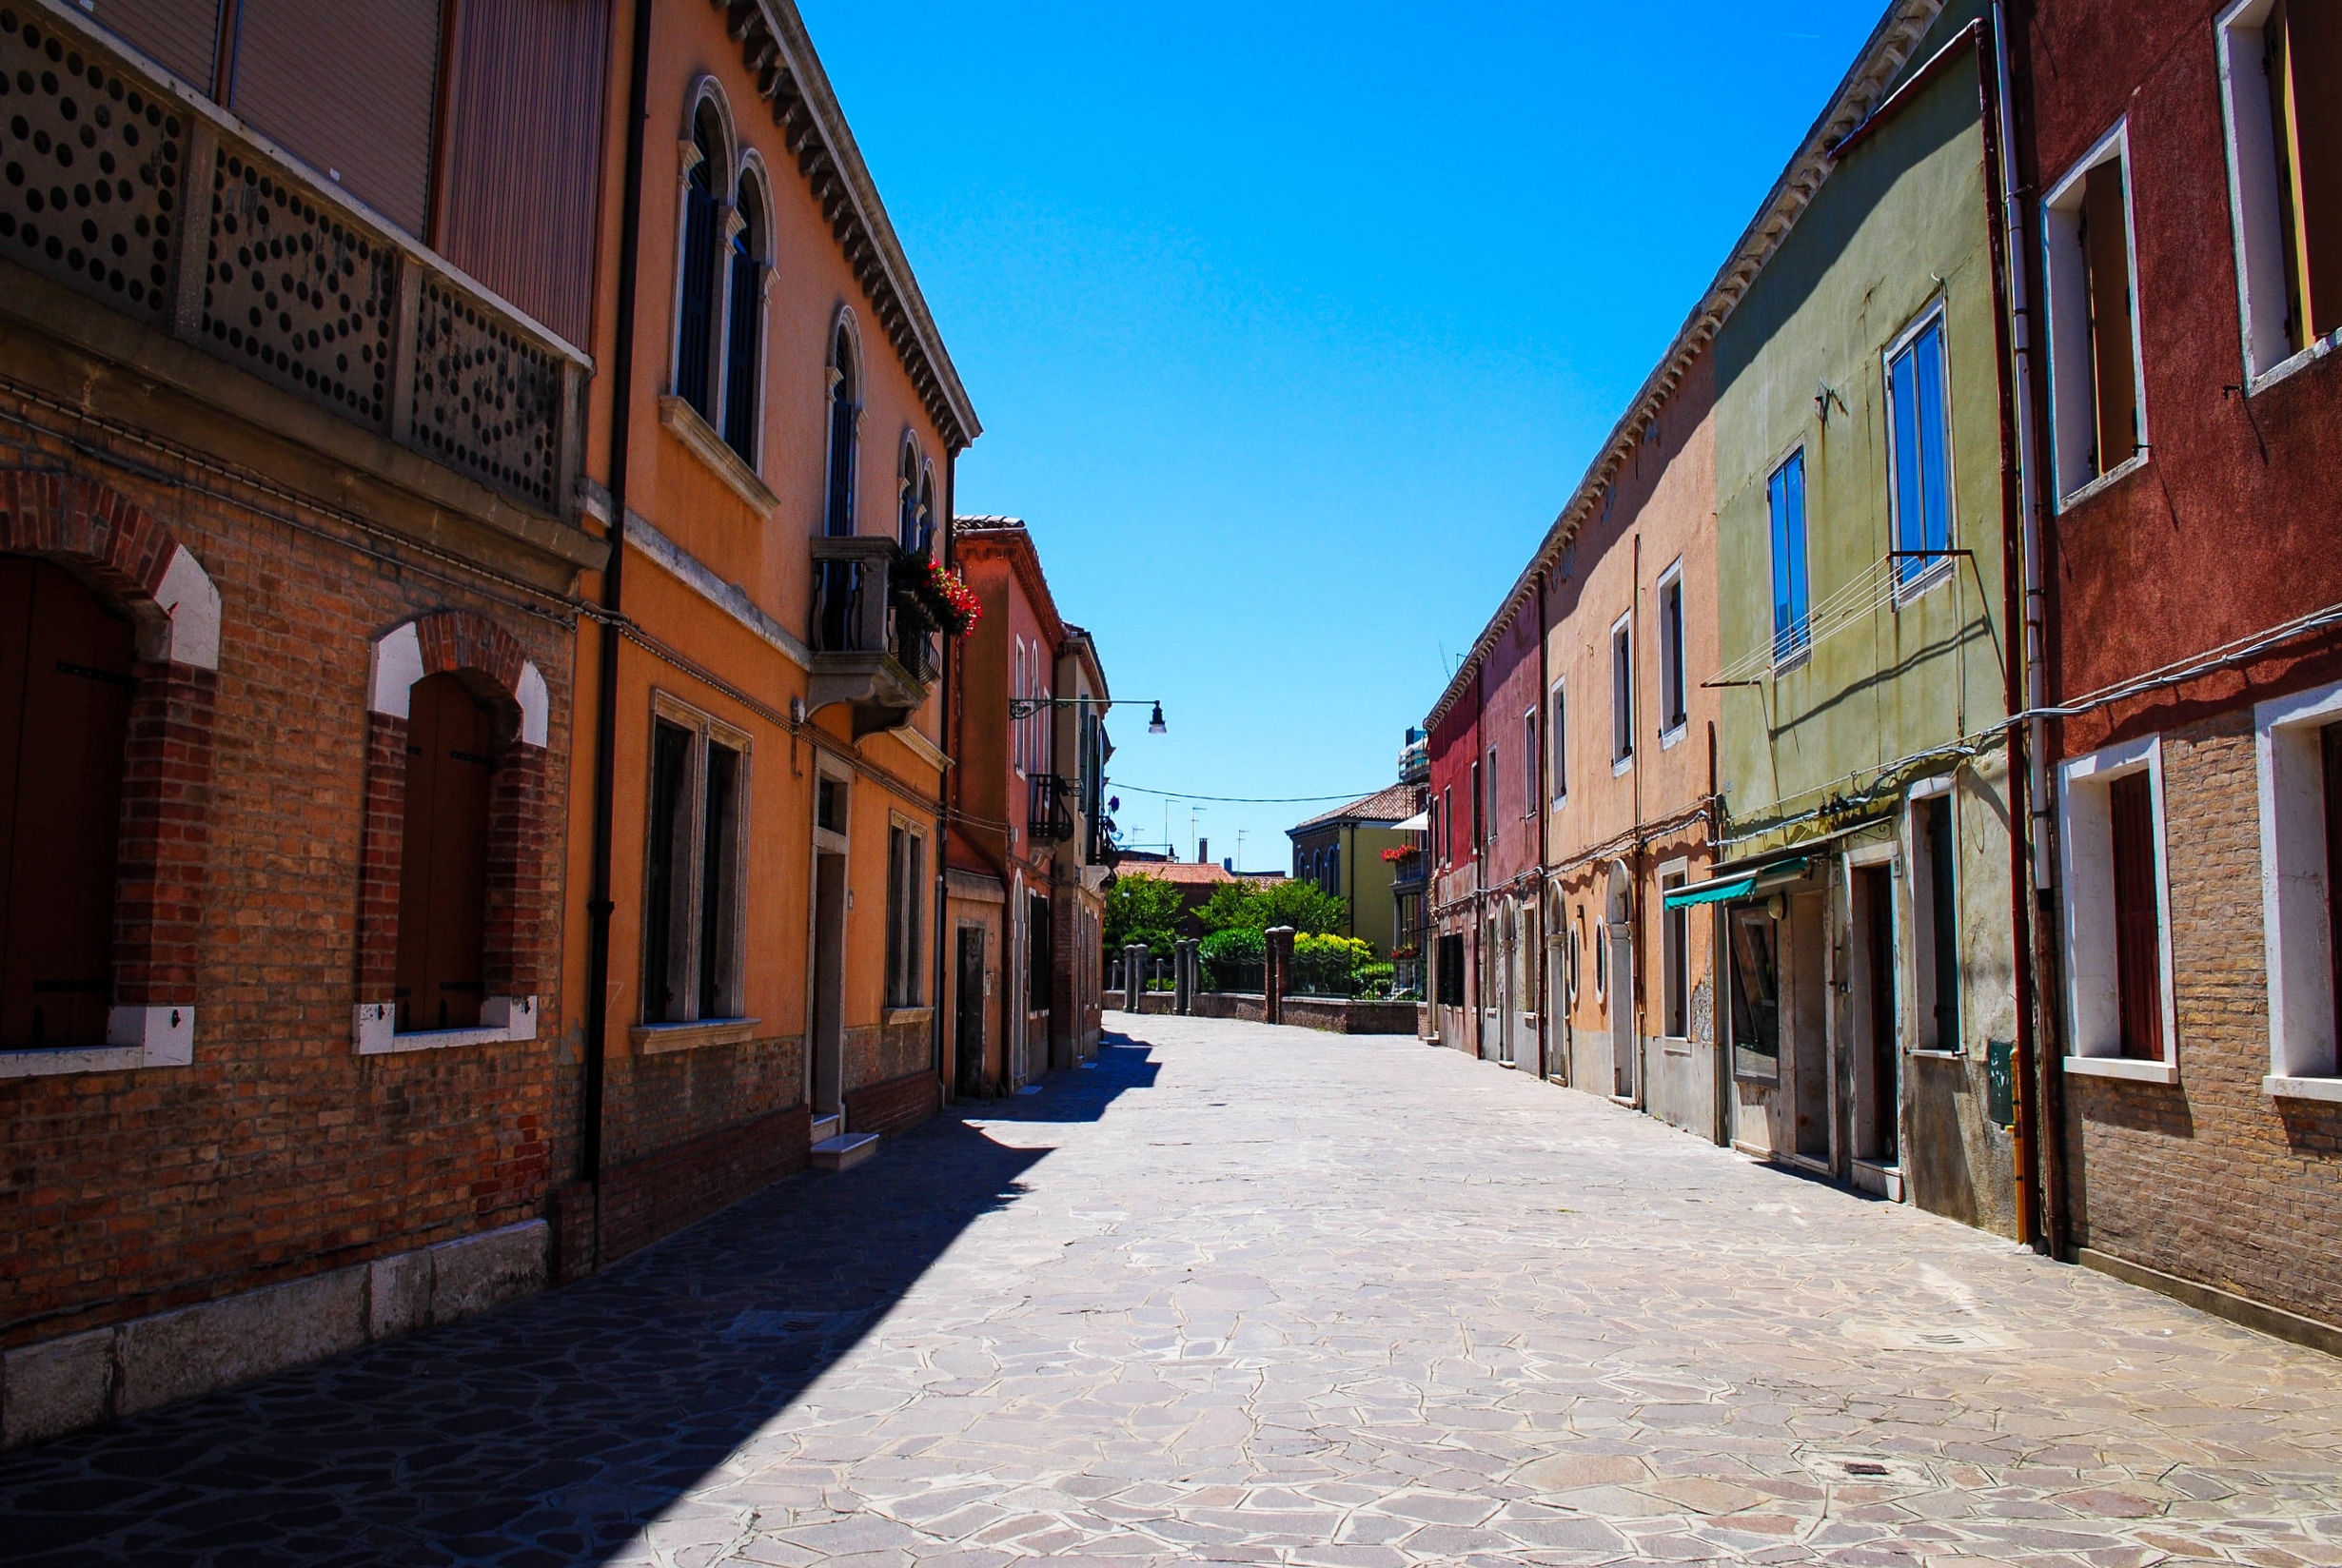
(451, 755)
(745, 322)
(927, 507)
(696, 328)
(844, 394)
(66, 684)
(907, 499)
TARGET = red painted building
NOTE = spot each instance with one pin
(2185, 250)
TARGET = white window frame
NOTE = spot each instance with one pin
(1016, 688)
(2254, 202)
(2069, 320)
(1937, 572)
(1622, 694)
(1671, 667)
(1533, 768)
(2085, 842)
(1674, 950)
(1557, 741)
(2297, 916)
(1487, 810)
(1918, 1034)
(691, 937)
(907, 904)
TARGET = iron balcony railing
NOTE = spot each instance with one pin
(124, 187)
(1050, 818)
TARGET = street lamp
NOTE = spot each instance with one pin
(1025, 707)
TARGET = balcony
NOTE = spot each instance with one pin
(1050, 818)
(872, 646)
(124, 188)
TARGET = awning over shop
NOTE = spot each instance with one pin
(1739, 885)
(1420, 822)
(1710, 893)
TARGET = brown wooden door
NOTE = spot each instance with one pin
(66, 683)
(2138, 922)
(444, 874)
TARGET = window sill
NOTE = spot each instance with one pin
(906, 1015)
(2124, 1066)
(1939, 1055)
(2106, 480)
(1935, 576)
(1794, 660)
(657, 1039)
(697, 434)
(1621, 766)
(503, 1021)
(1667, 739)
(2302, 1089)
(2292, 365)
(135, 1037)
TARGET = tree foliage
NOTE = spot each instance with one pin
(1257, 906)
(1141, 909)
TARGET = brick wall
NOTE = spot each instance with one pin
(659, 1194)
(279, 1152)
(895, 1107)
(2210, 1178)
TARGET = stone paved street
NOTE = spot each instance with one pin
(1255, 1295)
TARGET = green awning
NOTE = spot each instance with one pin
(1710, 893)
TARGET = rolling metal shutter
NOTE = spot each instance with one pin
(524, 169)
(351, 88)
(182, 37)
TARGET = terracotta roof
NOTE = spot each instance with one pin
(1189, 872)
(1396, 804)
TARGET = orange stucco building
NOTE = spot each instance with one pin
(758, 769)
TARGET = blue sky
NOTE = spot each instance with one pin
(1291, 327)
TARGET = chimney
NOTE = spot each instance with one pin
(1203, 851)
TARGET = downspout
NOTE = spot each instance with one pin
(2039, 824)
(1634, 882)
(1541, 959)
(599, 906)
(943, 687)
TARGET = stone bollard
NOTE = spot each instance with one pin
(1134, 973)
(1280, 970)
(1183, 986)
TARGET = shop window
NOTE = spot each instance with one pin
(1752, 938)
(2281, 67)
(692, 916)
(2098, 403)
(1674, 963)
(451, 757)
(65, 688)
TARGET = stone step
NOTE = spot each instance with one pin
(844, 1151)
(828, 1126)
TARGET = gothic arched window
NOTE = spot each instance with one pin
(844, 397)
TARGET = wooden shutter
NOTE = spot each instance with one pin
(718, 899)
(64, 703)
(2107, 247)
(350, 89)
(523, 163)
(182, 37)
(2331, 744)
(2138, 924)
(2312, 97)
(663, 880)
(444, 864)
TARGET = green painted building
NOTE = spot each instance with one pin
(1862, 890)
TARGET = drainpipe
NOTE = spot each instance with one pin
(2040, 821)
(2020, 588)
(599, 906)
(1634, 883)
(943, 687)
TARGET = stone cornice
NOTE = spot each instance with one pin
(780, 55)
(1865, 85)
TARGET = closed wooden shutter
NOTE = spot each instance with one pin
(2331, 744)
(182, 37)
(524, 160)
(2138, 922)
(443, 870)
(64, 703)
(350, 87)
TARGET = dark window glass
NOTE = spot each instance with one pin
(718, 882)
(664, 881)
(744, 331)
(842, 394)
(698, 327)
(1943, 920)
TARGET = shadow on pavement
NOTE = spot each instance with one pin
(1081, 1094)
(549, 1432)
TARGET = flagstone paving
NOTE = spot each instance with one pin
(1254, 1295)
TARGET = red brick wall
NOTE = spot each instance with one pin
(657, 1195)
(895, 1107)
(279, 1152)
(2210, 1178)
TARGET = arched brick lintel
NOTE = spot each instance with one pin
(118, 547)
(448, 641)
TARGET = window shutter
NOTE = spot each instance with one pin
(348, 90)
(444, 864)
(2139, 935)
(182, 37)
(2106, 245)
(64, 703)
(524, 160)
